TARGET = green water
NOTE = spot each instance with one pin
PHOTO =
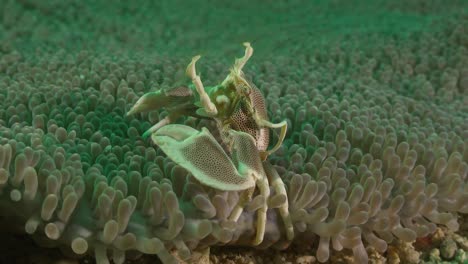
(180, 28)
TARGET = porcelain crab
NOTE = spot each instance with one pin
(237, 161)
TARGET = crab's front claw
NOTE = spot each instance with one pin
(148, 102)
(200, 153)
(179, 98)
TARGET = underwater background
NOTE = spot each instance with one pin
(375, 94)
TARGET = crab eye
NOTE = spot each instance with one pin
(243, 89)
(247, 90)
(222, 99)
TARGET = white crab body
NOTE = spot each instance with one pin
(239, 109)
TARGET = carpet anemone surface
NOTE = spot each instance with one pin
(376, 152)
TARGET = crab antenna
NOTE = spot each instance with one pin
(239, 63)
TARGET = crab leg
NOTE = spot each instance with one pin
(205, 100)
(244, 198)
(264, 189)
(264, 123)
(278, 186)
(165, 121)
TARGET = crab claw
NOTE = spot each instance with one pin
(179, 98)
(200, 153)
(149, 101)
